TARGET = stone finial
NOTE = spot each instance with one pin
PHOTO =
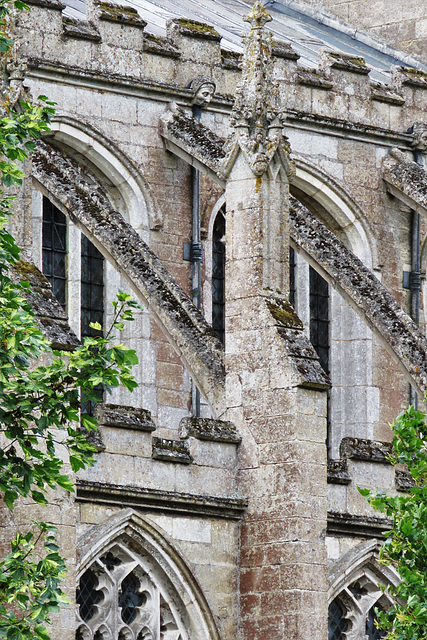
(258, 17)
(419, 131)
(256, 115)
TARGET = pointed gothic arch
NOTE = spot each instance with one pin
(113, 167)
(168, 603)
(323, 190)
(357, 583)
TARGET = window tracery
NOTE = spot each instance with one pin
(352, 613)
(120, 596)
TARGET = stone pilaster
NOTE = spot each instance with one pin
(273, 388)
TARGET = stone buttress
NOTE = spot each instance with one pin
(274, 384)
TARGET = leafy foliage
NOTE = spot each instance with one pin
(40, 393)
(30, 588)
(405, 547)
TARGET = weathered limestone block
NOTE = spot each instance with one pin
(209, 429)
(197, 41)
(124, 417)
(48, 312)
(171, 450)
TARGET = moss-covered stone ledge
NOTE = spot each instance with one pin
(48, 312)
(171, 451)
(343, 62)
(338, 472)
(82, 29)
(365, 450)
(124, 417)
(209, 429)
(405, 180)
(190, 140)
(193, 29)
(56, 5)
(120, 14)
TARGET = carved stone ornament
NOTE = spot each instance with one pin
(257, 117)
(13, 84)
(420, 136)
(204, 90)
(121, 597)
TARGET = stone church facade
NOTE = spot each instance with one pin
(270, 220)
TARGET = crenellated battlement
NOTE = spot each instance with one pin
(114, 44)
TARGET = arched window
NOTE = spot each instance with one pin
(218, 275)
(352, 613)
(134, 585)
(55, 267)
(337, 624)
(55, 249)
(319, 317)
(89, 286)
(120, 597)
(92, 287)
(344, 345)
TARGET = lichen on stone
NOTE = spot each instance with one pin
(120, 13)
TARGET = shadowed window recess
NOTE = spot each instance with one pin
(218, 275)
(319, 317)
(92, 302)
(54, 245)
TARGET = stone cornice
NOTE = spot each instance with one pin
(158, 500)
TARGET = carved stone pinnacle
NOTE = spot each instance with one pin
(258, 16)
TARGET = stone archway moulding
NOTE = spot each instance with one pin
(141, 211)
(325, 191)
(149, 539)
(363, 291)
(348, 568)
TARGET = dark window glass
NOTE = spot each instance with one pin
(372, 632)
(292, 270)
(87, 596)
(54, 245)
(337, 624)
(92, 309)
(218, 276)
(92, 301)
(130, 599)
(319, 317)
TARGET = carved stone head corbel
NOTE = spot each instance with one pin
(203, 91)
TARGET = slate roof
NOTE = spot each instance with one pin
(305, 29)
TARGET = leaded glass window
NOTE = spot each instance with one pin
(92, 277)
(54, 246)
(88, 596)
(319, 317)
(337, 624)
(121, 597)
(218, 275)
(372, 631)
(92, 301)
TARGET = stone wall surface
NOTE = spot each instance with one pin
(245, 499)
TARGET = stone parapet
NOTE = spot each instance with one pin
(115, 39)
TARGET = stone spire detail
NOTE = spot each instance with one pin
(256, 115)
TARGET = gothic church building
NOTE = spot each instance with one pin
(255, 177)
